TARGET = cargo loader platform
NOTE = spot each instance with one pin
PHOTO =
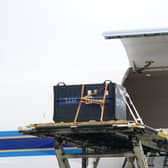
(94, 119)
(115, 138)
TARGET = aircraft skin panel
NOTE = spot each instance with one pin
(143, 46)
(135, 33)
(142, 50)
(14, 144)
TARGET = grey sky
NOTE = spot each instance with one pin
(43, 42)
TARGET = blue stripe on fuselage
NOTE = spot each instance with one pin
(37, 153)
(13, 144)
(10, 133)
(26, 143)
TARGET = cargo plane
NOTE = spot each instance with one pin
(146, 83)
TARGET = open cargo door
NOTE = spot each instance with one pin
(147, 78)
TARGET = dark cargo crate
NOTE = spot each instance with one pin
(68, 97)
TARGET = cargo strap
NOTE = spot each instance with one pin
(103, 101)
(80, 103)
(88, 100)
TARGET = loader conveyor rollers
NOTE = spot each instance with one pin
(102, 136)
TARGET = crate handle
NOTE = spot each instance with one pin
(61, 84)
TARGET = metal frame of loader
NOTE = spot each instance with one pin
(115, 138)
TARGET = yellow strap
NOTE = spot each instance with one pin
(103, 102)
(87, 100)
(79, 106)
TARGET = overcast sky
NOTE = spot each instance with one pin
(43, 42)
